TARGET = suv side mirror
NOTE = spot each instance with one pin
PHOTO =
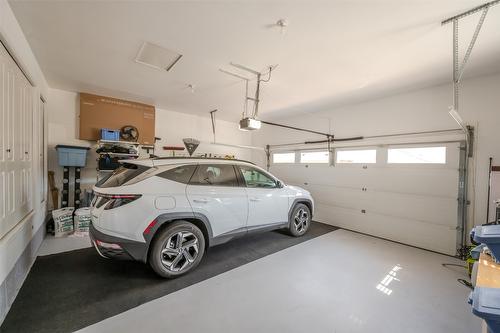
(279, 184)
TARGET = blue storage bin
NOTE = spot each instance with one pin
(110, 134)
(71, 156)
(485, 304)
(489, 235)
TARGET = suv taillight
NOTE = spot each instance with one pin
(116, 200)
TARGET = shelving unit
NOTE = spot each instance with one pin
(123, 144)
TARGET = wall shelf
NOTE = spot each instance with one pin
(111, 142)
(118, 154)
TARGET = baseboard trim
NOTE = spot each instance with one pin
(10, 287)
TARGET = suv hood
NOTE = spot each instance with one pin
(298, 190)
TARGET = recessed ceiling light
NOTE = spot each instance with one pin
(156, 56)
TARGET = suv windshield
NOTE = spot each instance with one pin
(122, 175)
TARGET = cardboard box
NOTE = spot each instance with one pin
(98, 112)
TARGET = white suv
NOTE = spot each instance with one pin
(168, 211)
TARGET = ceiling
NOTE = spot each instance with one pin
(331, 53)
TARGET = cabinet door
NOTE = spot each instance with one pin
(3, 142)
(28, 145)
(16, 142)
(41, 149)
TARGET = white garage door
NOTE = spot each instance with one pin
(403, 193)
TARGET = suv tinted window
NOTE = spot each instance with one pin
(257, 178)
(123, 174)
(214, 174)
(180, 174)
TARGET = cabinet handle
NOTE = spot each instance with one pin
(8, 150)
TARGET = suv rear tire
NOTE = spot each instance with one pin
(299, 220)
(177, 249)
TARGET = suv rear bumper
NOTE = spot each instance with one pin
(117, 248)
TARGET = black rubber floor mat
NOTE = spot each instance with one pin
(68, 291)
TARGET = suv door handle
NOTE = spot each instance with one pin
(200, 200)
(255, 199)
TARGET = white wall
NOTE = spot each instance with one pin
(421, 110)
(171, 127)
(63, 129)
(17, 242)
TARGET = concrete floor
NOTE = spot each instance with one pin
(339, 282)
(53, 245)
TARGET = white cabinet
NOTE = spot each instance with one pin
(40, 119)
(16, 144)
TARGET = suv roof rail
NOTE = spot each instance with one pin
(200, 158)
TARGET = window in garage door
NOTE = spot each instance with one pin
(284, 158)
(357, 156)
(421, 155)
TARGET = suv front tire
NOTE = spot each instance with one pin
(299, 220)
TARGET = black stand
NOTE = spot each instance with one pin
(65, 191)
(77, 187)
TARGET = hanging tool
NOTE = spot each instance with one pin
(489, 191)
(212, 117)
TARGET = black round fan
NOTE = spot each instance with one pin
(129, 133)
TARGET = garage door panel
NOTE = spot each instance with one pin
(429, 236)
(337, 176)
(338, 196)
(436, 210)
(336, 215)
(435, 181)
(288, 173)
(322, 175)
(442, 182)
(428, 209)
(397, 229)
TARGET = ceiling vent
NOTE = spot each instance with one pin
(156, 56)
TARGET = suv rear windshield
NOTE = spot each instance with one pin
(122, 175)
